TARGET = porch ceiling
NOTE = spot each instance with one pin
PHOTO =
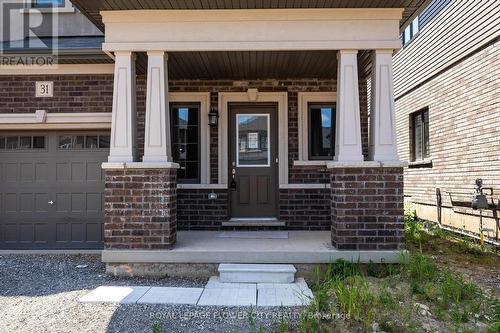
(251, 65)
(91, 8)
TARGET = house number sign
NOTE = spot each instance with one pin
(44, 89)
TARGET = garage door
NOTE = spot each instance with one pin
(52, 190)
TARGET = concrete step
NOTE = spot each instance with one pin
(256, 273)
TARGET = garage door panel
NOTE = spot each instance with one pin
(63, 232)
(94, 232)
(43, 233)
(63, 203)
(10, 204)
(26, 232)
(10, 234)
(71, 179)
(77, 232)
(78, 172)
(42, 172)
(63, 172)
(94, 205)
(27, 172)
(41, 203)
(26, 203)
(11, 172)
(77, 203)
(94, 172)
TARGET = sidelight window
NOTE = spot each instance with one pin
(185, 129)
(321, 128)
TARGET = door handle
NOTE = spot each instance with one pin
(233, 184)
(51, 202)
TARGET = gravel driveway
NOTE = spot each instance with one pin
(39, 293)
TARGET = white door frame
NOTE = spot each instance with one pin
(281, 98)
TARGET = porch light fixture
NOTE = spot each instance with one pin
(213, 117)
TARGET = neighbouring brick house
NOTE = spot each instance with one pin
(447, 88)
(187, 121)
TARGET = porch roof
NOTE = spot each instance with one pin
(92, 8)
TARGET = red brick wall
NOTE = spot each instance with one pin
(367, 208)
(464, 112)
(93, 93)
(305, 209)
(196, 212)
(72, 93)
(140, 208)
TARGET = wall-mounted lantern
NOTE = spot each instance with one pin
(213, 117)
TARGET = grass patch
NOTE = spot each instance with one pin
(418, 295)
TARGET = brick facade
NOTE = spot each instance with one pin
(305, 209)
(367, 208)
(93, 93)
(196, 212)
(463, 139)
(72, 93)
(140, 209)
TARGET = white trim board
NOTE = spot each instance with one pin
(303, 100)
(252, 29)
(253, 96)
(62, 69)
(41, 120)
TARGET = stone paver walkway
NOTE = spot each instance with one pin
(215, 293)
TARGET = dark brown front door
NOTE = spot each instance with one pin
(253, 165)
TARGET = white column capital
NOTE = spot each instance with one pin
(123, 116)
(384, 51)
(347, 51)
(125, 54)
(348, 123)
(382, 117)
(157, 145)
(159, 53)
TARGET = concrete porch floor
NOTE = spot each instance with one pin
(301, 247)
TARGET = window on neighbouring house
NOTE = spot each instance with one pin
(321, 131)
(48, 3)
(411, 31)
(185, 122)
(419, 131)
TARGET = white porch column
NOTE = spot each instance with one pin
(157, 146)
(382, 117)
(123, 124)
(348, 124)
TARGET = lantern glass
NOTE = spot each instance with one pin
(213, 118)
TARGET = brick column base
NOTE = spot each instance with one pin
(140, 208)
(367, 208)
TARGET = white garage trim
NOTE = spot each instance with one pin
(42, 120)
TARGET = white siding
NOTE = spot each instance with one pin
(464, 26)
